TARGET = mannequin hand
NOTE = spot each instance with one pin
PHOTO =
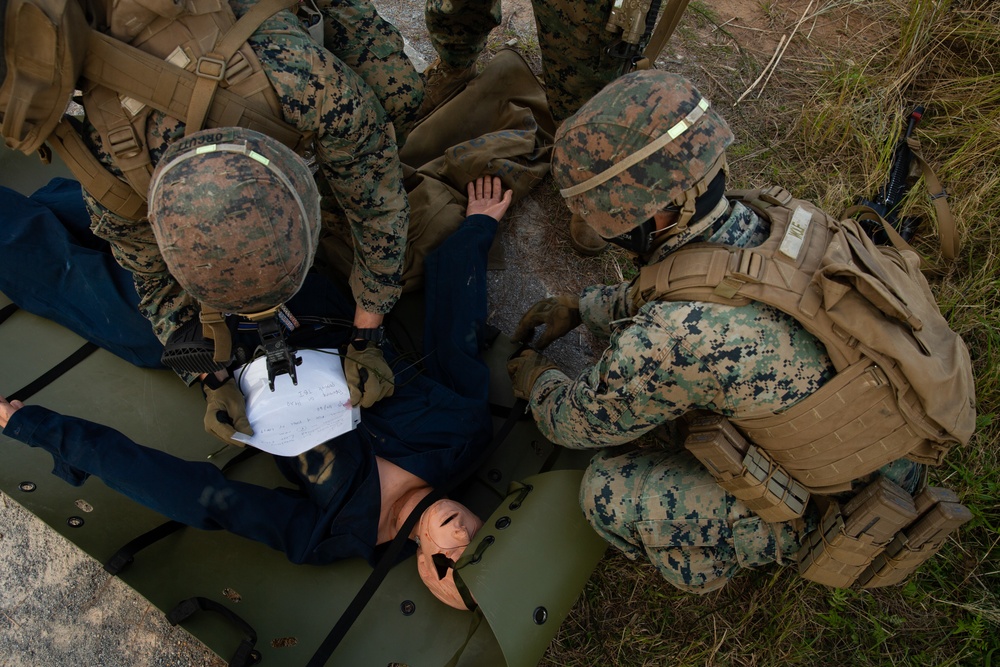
(7, 410)
(486, 196)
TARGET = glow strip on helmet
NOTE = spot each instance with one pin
(242, 149)
(670, 135)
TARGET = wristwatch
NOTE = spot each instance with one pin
(375, 335)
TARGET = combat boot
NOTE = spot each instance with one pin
(441, 81)
(584, 239)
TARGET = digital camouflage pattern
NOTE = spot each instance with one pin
(355, 151)
(372, 47)
(620, 121)
(663, 361)
(571, 37)
(459, 28)
(663, 505)
(238, 230)
(672, 357)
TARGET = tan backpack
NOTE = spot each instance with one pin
(188, 60)
(904, 385)
(44, 42)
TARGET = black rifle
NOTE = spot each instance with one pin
(890, 196)
(636, 20)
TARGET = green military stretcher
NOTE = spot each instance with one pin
(539, 554)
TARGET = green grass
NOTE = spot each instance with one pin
(825, 129)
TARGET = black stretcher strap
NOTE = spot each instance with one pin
(388, 559)
(7, 311)
(124, 557)
(53, 374)
(245, 653)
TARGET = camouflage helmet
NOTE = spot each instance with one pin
(236, 216)
(647, 142)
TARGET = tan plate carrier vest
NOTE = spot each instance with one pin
(188, 60)
(904, 385)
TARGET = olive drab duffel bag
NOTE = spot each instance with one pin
(188, 60)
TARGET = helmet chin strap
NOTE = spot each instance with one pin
(688, 197)
(281, 359)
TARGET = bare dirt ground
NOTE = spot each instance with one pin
(58, 607)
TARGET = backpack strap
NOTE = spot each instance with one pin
(124, 72)
(947, 230)
(121, 135)
(116, 195)
(668, 23)
(211, 68)
(169, 89)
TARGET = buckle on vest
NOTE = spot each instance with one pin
(211, 68)
(237, 69)
(775, 195)
(124, 142)
(749, 267)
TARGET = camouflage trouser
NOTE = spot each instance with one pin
(666, 507)
(373, 48)
(571, 37)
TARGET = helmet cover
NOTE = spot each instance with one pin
(636, 148)
(236, 216)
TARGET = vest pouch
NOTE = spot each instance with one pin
(744, 470)
(44, 42)
(767, 489)
(941, 516)
(850, 538)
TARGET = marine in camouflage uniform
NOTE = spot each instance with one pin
(571, 37)
(321, 92)
(666, 359)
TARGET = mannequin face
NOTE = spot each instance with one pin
(446, 528)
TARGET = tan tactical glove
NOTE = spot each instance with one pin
(560, 315)
(524, 368)
(368, 375)
(225, 410)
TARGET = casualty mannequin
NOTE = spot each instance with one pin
(390, 464)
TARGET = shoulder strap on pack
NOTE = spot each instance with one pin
(170, 89)
(112, 192)
(211, 68)
(121, 135)
(119, 69)
(947, 230)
